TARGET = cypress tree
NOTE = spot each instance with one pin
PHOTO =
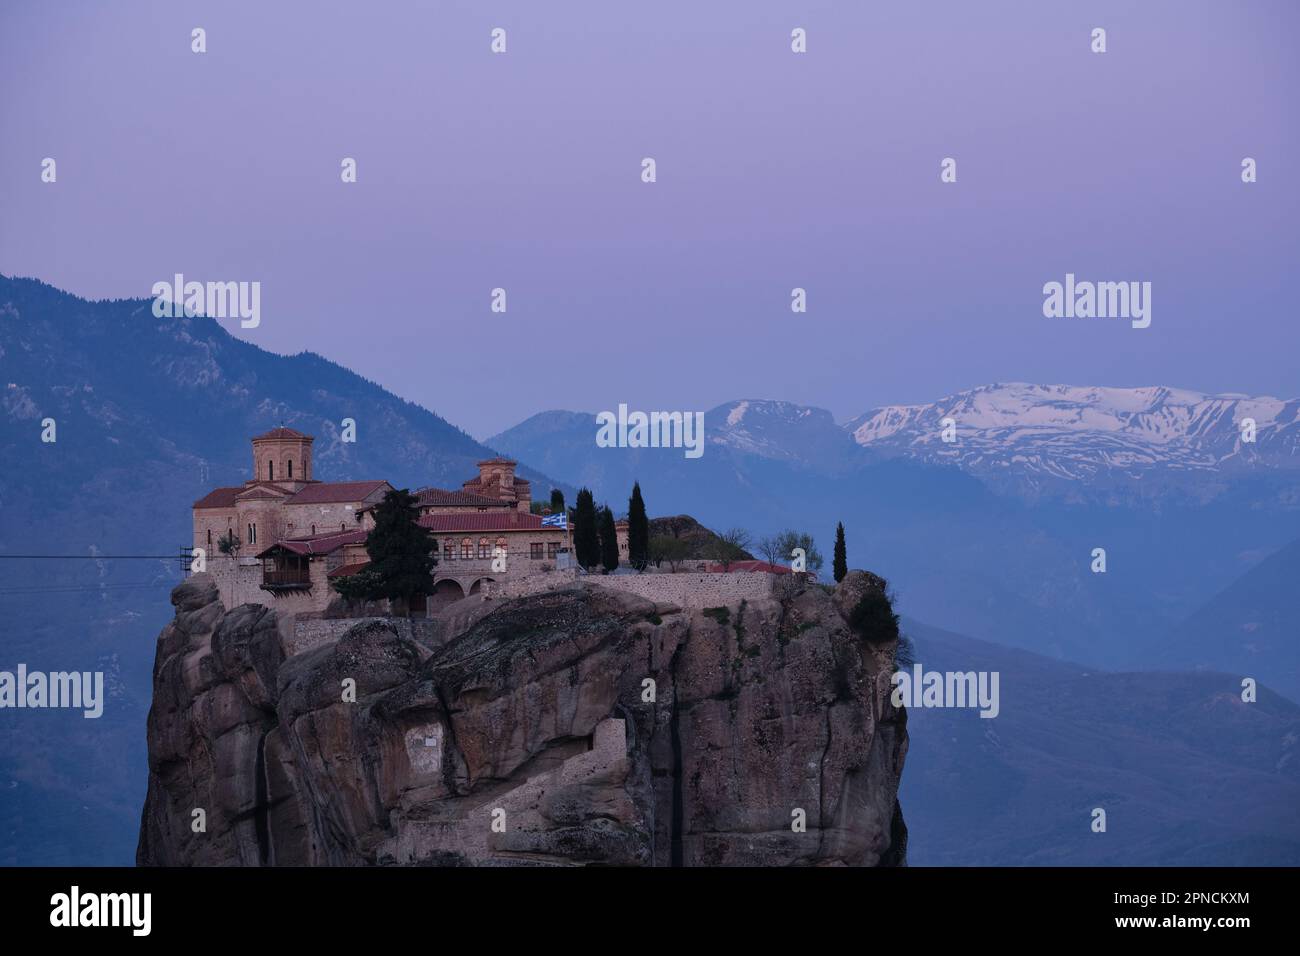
(638, 530)
(586, 538)
(557, 501)
(840, 563)
(401, 555)
(608, 540)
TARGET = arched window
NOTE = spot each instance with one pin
(482, 548)
(449, 549)
(466, 549)
(209, 537)
(501, 543)
(270, 470)
(290, 464)
(313, 529)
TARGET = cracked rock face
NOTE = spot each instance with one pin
(575, 727)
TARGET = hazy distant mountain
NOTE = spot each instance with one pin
(783, 431)
(1058, 437)
(1251, 628)
(1188, 774)
(752, 467)
(150, 414)
(1026, 440)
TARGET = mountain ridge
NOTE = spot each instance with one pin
(1188, 773)
(1040, 434)
(150, 415)
(1016, 436)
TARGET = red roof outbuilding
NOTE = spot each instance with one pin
(346, 570)
(316, 544)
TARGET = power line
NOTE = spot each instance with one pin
(42, 589)
(91, 557)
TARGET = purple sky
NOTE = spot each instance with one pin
(775, 171)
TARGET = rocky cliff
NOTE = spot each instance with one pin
(584, 726)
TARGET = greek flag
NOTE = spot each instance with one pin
(556, 521)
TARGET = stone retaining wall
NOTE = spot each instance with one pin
(694, 589)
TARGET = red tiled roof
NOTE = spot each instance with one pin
(227, 497)
(281, 432)
(317, 544)
(258, 492)
(346, 569)
(323, 492)
(505, 521)
(750, 566)
(436, 497)
(219, 498)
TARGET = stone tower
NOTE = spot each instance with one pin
(283, 456)
(496, 479)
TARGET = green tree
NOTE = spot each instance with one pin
(731, 545)
(667, 548)
(904, 654)
(229, 544)
(401, 555)
(557, 501)
(586, 537)
(770, 548)
(840, 563)
(638, 530)
(788, 540)
(873, 618)
(608, 540)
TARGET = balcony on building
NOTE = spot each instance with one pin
(285, 571)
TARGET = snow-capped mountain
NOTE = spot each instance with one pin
(782, 431)
(1019, 439)
(1038, 435)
